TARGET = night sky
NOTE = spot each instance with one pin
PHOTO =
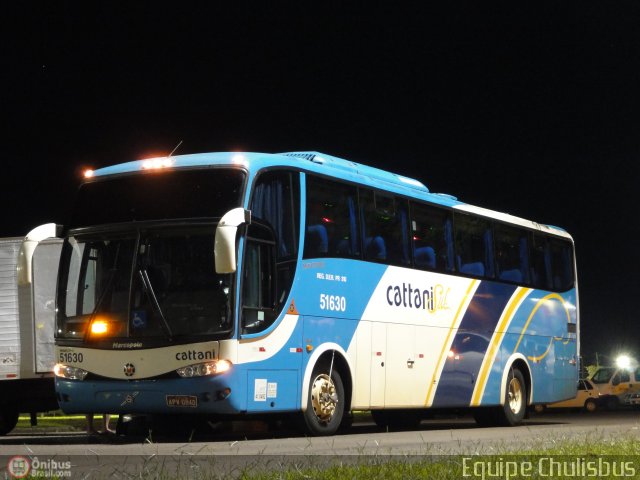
(532, 112)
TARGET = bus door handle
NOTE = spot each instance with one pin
(410, 363)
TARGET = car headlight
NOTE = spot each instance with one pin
(68, 372)
(203, 369)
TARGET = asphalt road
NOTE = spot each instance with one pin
(246, 443)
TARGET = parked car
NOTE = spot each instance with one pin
(587, 397)
(614, 384)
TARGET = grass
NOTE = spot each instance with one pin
(572, 454)
(588, 458)
(567, 455)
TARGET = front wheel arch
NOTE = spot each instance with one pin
(326, 353)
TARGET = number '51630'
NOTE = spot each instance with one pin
(335, 303)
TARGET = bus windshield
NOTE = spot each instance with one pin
(155, 283)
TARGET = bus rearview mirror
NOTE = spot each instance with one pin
(225, 241)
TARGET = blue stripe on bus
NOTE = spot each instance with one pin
(460, 372)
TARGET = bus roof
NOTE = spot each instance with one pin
(323, 164)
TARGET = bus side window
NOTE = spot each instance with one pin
(561, 264)
(276, 200)
(512, 254)
(258, 282)
(384, 228)
(474, 246)
(331, 220)
(551, 263)
(432, 241)
(540, 262)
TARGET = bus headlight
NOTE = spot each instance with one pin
(68, 372)
(203, 369)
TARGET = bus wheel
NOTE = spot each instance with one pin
(325, 402)
(590, 405)
(515, 402)
(8, 420)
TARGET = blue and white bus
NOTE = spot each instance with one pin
(244, 284)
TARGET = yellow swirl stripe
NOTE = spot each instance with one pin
(546, 352)
(492, 351)
(443, 353)
(551, 296)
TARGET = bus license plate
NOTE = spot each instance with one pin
(182, 401)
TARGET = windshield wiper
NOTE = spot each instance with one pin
(148, 289)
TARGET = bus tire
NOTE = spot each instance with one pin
(515, 401)
(8, 420)
(325, 402)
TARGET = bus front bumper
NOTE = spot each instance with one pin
(201, 395)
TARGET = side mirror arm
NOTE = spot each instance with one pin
(225, 241)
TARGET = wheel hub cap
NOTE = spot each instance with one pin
(323, 397)
(515, 395)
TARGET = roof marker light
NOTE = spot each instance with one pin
(239, 159)
(157, 163)
(413, 182)
(88, 173)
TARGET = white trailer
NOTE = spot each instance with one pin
(28, 275)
